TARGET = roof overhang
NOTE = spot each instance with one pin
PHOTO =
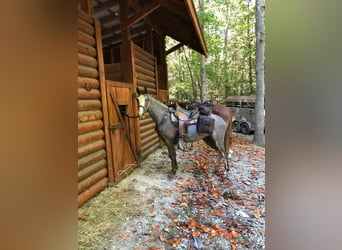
(174, 18)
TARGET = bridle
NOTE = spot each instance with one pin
(146, 106)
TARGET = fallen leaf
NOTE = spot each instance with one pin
(213, 233)
(161, 237)
(196, 234)
(152, 239)
(124, 236)
(166, 229)
(257, 213)
(156, 227)
(183, 204)
(191, 223)
(206, 229)
(82, 217)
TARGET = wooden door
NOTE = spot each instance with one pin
(122, 128)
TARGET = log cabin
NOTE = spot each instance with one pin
(121, 47)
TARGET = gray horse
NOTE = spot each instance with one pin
(167, 131)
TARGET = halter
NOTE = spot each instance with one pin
(147, 104)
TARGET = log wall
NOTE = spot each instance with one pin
(92, 164)
(146, 76)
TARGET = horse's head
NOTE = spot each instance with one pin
(143, 103)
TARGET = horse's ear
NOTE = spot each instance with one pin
(145, 90)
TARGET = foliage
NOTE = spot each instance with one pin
(230, 67)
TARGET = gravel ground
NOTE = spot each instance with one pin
(198, 208)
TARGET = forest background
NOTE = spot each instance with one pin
(229, 69)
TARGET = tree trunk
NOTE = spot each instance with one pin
(193, 83)
(202, 69)
(259, 135)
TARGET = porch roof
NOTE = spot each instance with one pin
(174, 18)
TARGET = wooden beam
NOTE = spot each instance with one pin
(174, 48)
(104, 99)
(192, 12)
(147, 19)
(175, 7)
(87, 7)
(141, 14)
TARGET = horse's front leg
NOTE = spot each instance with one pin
(172, 155)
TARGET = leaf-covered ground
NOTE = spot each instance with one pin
(198, 208)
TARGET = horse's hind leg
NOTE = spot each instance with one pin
(223, 154)
(172, 155)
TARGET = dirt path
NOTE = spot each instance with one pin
(196, 209)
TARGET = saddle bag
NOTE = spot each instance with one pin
(205, 124)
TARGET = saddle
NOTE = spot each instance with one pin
(197, 118)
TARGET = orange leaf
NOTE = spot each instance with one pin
(124, 236)
(161, 237)
(235, 234)
(183, 204)
(82, 217)
(192, 223)
(257, 213)
(196, 234)
(206, 229)
(216, 226)
(156, 227)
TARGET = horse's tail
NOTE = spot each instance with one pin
(228, 138)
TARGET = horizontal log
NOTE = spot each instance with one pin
(86, 116)
(86, 27)
(91, 180)
(90, 137)
(91, 191)
(144, 71)
(85, 94)
(88, 82)
(145, 121)
(86, 49)
(147, 152)
(147, 127)
(147, 133)
(141, 51)
(149, 138)
(88, 105)
(91, 159)
(145, 77)
(90, 147)
(144, 58)
(149, 90)
(146, 146)
(85, 17)
(146, 66)
(85, 38)
(142, 83)
(87, 127)
(87, 60)
(87, 71)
